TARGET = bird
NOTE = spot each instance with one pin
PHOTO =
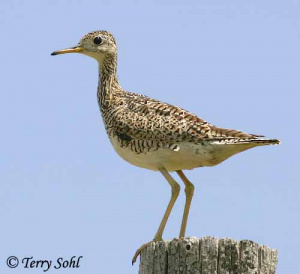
(155, 135)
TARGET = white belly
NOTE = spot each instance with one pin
(189, 156)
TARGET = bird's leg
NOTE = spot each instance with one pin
(175, 192)
(189, 192)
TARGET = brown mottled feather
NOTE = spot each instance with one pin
(145, 118)
(139, 124)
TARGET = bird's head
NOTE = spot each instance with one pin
(96, 44)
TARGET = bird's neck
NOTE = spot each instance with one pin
(108, 81)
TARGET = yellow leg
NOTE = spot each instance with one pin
(175, 192)
(189, 192)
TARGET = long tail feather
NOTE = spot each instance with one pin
(260, 141)
(254, 140)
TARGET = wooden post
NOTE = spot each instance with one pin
(208, 255)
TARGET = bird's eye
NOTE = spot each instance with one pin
(97, 40)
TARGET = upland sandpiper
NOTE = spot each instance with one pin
(155, 135)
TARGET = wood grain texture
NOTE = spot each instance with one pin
(208, 255)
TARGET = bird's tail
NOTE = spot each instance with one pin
(252, 141)
(229, 147)
(259, 141)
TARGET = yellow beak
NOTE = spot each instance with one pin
(69, 50)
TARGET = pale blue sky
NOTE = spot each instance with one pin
(65, 192)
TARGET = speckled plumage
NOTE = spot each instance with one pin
(142, 126)
(156, 135)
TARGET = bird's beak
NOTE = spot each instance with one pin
(69, 50)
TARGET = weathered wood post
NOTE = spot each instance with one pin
(208, 255)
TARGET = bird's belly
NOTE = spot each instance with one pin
(189, 156)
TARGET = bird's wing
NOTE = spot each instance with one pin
(144, 118)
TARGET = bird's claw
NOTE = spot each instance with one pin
(139, 251)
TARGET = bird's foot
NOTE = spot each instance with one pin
(139, 251)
